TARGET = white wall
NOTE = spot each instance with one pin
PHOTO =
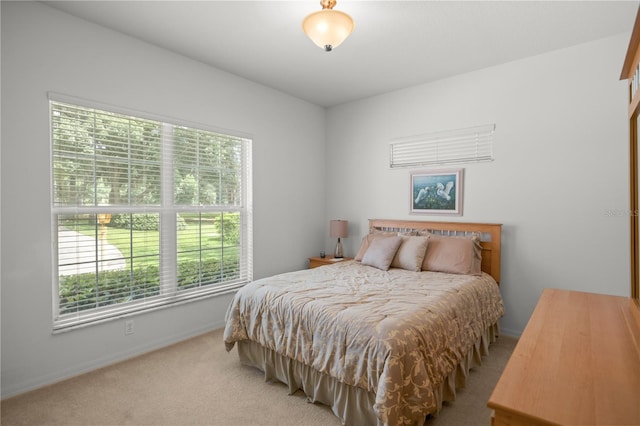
(45, 50)
(560, 165)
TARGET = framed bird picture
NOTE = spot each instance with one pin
(437, 192)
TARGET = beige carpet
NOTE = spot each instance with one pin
(197, 383)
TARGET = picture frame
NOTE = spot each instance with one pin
(437, 192)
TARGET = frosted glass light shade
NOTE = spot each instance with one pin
(328, 28)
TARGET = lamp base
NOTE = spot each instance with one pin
(338, 252)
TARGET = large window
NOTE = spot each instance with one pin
(145, 213)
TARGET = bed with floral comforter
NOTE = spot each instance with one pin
(379, 347)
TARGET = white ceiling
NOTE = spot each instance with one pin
(395, 44)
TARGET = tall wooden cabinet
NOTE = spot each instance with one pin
(631, 73)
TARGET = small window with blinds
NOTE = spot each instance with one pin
(448, 147)
(146, 213)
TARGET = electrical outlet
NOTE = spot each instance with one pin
(128, 327)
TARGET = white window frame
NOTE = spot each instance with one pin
(169, 293)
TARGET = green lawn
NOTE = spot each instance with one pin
(145, 244)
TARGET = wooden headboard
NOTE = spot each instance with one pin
(490, 235)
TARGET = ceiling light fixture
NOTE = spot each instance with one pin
(328, 28)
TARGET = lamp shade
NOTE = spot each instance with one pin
(339, 229)
(328, 28)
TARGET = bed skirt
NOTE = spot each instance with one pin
(353, 405)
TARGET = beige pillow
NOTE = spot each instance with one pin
(366, 241)
(454, 255)
(410, 254)
(381, 252)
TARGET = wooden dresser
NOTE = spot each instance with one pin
(577, 363)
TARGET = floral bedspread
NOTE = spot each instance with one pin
(395, 333)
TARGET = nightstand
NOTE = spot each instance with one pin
(316, 261)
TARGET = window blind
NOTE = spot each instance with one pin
(453, 146)
(146, 213)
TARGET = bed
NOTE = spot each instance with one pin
(383, 339)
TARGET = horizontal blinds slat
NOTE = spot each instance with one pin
(456, 146)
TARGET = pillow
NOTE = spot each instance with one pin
(454, 255)
(366, 241)
(381, 252)
(410, 254)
